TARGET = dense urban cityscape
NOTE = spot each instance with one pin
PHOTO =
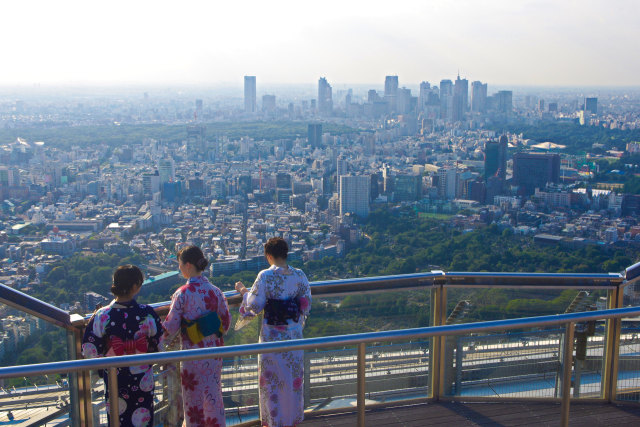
(146, 172)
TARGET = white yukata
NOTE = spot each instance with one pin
(281, 375)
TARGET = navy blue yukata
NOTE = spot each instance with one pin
(126, 328)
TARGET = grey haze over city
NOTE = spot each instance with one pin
(541, 43)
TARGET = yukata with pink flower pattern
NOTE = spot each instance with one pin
(201, 379)
(280, 374)
(126, 328)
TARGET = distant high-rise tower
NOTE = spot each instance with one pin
(199, 109)
(591, 105)
(461, 98)
(268, 103)
(355, 194)
(478, 97)
(423, 98)
(314, 135)
(504, 100)
(495, 158)
(391, 92)
(446, 100)
(249, 94)
(166, 171)
(325, 98)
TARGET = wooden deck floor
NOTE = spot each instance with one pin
(487, 414)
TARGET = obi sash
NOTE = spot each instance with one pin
(120, 347)
(278, 311)
(202, 327)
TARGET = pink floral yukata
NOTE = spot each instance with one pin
(201, 379)
(281, 375)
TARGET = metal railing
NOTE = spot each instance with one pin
(437, 282)
(359, 340)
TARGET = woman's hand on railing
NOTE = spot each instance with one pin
(241, 288)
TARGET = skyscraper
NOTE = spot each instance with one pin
(268, 103)
(391, 92)
(504, 100)
(166, 171)
(403, 101)
(314, 134)
(446, 100)
(355, 195)
(325, 98)
(461, 92)
(495, 158)
(199, 109)
(249, 94)
(478, 97)
(423, 98)
(591, 105)
(447, 182)
(533, 170)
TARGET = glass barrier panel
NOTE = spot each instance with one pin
(35, 400)
(397, 371)
(629, 361)
(504, 364)
(468, 305)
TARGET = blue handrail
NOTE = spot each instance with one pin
(312, 343)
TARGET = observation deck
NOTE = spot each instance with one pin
(419, 352)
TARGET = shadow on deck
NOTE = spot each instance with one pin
(487, 414)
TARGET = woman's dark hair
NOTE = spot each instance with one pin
(194, 256)
(276, 247)
(125, 278)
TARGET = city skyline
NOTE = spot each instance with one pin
(538, 43)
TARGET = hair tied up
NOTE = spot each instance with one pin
(202, 264)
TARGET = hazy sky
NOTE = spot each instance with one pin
(517, 42)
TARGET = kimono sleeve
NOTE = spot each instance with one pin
(173, 321)
(93, 341)
(304, 293)
(253, 302)
(155, 331)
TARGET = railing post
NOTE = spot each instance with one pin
(436, 364)
(362, 354)
(79, 384)
(114, 404)
(307, 378)
(612, 343)
(567, 362)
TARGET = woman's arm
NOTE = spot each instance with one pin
(173, 321)
(253, 301)
(93, 340)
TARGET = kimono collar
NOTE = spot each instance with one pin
(125, 304)
(197, 279)
(281, 270)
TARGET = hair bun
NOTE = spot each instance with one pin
(202, 263)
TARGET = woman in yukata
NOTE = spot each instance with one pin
(283, 293)
(199, 310)
(126, 327)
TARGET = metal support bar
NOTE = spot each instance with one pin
(362, 354)
(567, 361)
(76, 412)
(114, 409)
(612, 342)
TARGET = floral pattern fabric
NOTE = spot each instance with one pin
(201, 379)
(126, 328)
(281, 375)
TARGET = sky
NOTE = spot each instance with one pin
(504, 42)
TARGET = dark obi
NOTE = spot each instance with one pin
(278, 311)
